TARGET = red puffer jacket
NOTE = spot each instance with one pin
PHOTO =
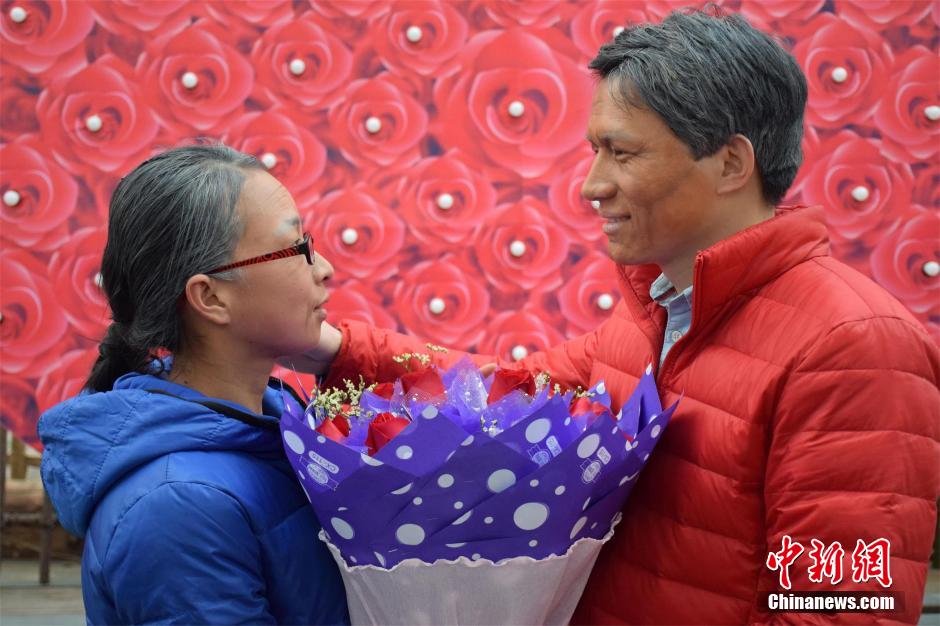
(811, 409)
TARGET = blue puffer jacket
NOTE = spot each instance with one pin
(189, 516)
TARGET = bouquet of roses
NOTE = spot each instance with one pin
(450, 497)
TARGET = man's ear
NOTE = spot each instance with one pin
(208, 299)
(737, 164)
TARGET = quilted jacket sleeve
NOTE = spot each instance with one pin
(855, 455)
(185, 553)
(368, 351)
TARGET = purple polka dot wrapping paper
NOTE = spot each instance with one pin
(445, 488)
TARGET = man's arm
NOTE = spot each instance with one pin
(356, 349)
(855, 455)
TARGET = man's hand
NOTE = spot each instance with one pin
(317, 360)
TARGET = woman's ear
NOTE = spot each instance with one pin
(208, 299)
(738, 164)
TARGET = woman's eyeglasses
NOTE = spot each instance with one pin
(305, 248)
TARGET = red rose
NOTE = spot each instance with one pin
(378, 123)
(518, 103)
(323, 71)
(443, 302)
(781, 16)
(330, 428)
(360, 9)
(130, 20)
(863, 193)
(18, 411)
(291, 153)
(265, 13)
(425, 379)
(98, 118)
(66, 379)
(596, 24)
(568, 205)
(384, 390)
(194, 80)
(18, 95)
(844, 66)
(926, 190)
(509, 13)
(907, 130)
(74, 272)
(382, 429)
(50, 36)
(878, 14)
(442, 199)
(582, 405)
(32, 327)
(513, 335)
(519, 249)
(47, 196)
(899, 261)
(507, 381)
(359, 236)
(419, 36)
(353, 300)
(589, 296)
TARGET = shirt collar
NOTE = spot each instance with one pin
(663, 292)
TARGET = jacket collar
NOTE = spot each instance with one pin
(734, 266)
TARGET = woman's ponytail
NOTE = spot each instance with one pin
(116, 357)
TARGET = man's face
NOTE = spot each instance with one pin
(658, 202)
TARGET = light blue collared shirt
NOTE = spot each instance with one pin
(678, 311)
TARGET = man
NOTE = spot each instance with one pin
(810, 409)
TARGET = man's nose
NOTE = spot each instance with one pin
(598, 184)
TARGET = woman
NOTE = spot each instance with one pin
(172, 469)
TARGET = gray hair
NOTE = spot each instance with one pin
(171, 218)
(710, 77)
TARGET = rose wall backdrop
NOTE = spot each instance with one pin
(435, 148)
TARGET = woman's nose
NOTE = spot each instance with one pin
(322, 269)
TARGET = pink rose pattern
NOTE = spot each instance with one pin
(434, 147)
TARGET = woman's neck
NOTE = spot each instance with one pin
(223, 377)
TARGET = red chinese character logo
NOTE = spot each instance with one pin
(827, 561)
(782, 560)
(872, 560)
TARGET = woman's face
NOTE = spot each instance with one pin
(276, 306)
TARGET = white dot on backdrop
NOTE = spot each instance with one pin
(530, 515)
(404, 452)
(294, 442)
(586, 503)
(456, 545)
(534, 482)
(533, 543)
(577, 527)
(475, 556)
(500, 480)
(588, 445)
(463, 518)
(487, 520)
(458, 505)
(445, 481)
(403, 490)
(429, 412)
(418, 500)
(379, 558)
(409, 534)
(560, 489)
(654, 432)
(537, 430)
(321, 439)
(467, 441)
(567, 421)
(601, 388)
(342, 528)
